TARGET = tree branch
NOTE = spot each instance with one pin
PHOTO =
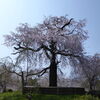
(40, 72)
(22, 48)
(66, 24)
(10, 70)
(67, 54)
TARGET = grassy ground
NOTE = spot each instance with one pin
(19, 96)
(12, 96)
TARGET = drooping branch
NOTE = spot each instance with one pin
(10, 71)
(40, 73)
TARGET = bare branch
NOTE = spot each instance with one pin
(22, 48)
(66, 24)
(10, 71)
(40, 72)
(68, 54)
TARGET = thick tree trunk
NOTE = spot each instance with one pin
(53, 75)
(53, 72)
(53, 66)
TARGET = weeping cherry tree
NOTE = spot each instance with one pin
(57, 40)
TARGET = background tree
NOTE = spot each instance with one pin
(6, 78)
(55, 42)
(89, 70)
(25, 74)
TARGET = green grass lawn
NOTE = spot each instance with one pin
(12, 96)
(19, 96)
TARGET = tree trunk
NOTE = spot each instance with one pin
(53, 72)
(53, 75)
(22, 77)
(4, 87)
(91, 86)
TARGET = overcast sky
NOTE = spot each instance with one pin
(13, 12)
